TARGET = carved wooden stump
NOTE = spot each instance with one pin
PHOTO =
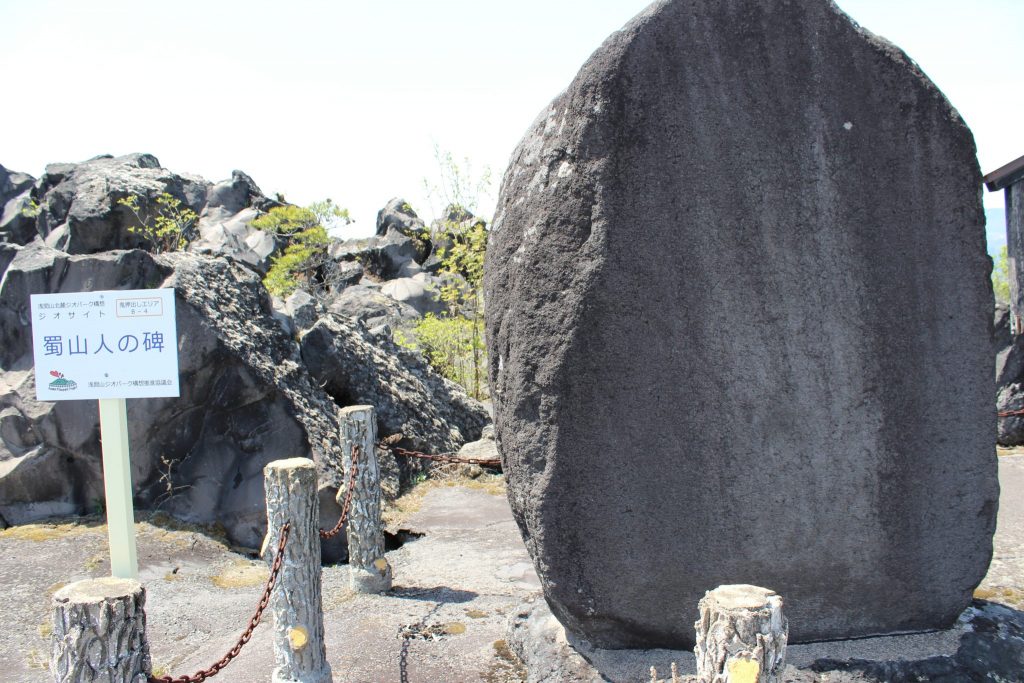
(99, 632)
(299, 650)
(369, 570)
(741, 636)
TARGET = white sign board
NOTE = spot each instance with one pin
(96, 345)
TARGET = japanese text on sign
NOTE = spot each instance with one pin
(112, 344)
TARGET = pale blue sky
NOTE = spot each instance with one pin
(347, 98)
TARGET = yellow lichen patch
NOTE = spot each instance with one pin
(241, 573)
(297, 638)
(164, 522)
(475, 614)
(47, 532)
(381, 564)
(95, 562)
(1007, 595)
(505, 666)
(455, 628)
(335, 599)
(742, 670)
(166, 529)
(45, 629)
(36, 660)
(53, 588)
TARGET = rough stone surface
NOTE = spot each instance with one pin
(430, 412)
(382, 256)
(399, 215)
(15, 197)
(1009, 352)
(367, 303)
(13, 183)
(540, 642)
(346, 273)
(225, 229)
(79, 213)
(736, 286)
(422, 292)
(985, 644)
(302, 308)
(247, 396)
(7, 254)
(484, 449)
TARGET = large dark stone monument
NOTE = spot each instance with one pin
(738, 317)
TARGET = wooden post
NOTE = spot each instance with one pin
(741, 636)
(1011, 179)
(1015, 252)
(369, 570)
(299, 651)
(99, 632)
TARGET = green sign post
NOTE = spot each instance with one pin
(109, 346)
(117, 485)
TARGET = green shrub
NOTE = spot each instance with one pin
(302, 261)
(1001, 277)
(453, 345)
(168, 228)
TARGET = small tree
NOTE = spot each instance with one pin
(457, 184)
(168, 227)
(304, 261)
(454, 342)
(463, 264)
(1001, 277)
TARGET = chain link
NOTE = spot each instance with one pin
(407, 633)
(444, 457)
(348, 496)
(403, 660)
(275, 569)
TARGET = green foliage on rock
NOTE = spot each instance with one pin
(304, 257)
(448, 343)
(167, 226)
(1001, 277)
(31, 209)
(454, 342)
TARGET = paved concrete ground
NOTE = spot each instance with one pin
(459, 581)
(1005, 579)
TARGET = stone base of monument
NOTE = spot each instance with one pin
(987, 643)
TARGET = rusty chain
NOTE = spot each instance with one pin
(275, 569)
(443, 457)
(348, 497)
(407, 633)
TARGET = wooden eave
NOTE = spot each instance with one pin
(1005, 176)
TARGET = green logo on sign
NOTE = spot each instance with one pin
(62, 383)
